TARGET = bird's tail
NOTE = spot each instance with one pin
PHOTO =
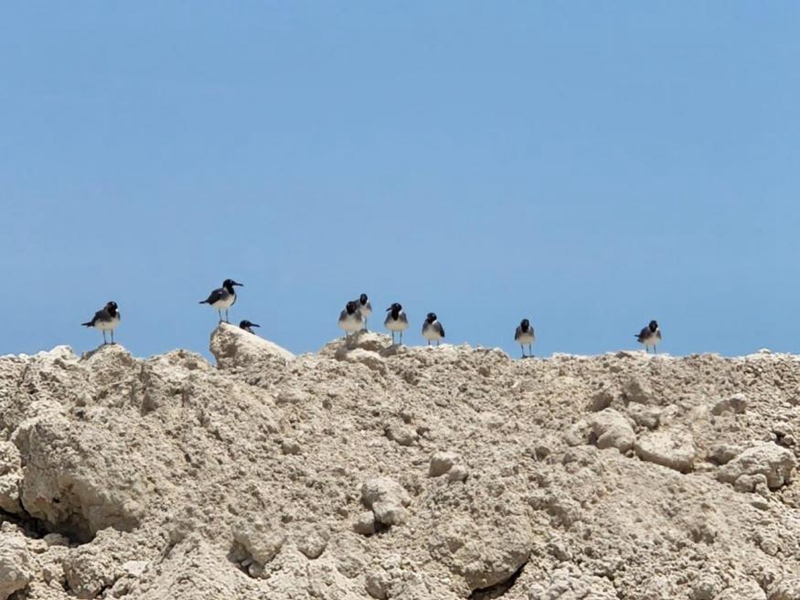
(203, 302)
(89, 324)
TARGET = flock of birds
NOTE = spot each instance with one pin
(354, 319)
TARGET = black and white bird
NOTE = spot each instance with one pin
(396, 321)
(365, 308)
(350, 318)
(223, 298)
(525, 336)
(432, 329)
(105, 319)
(650, 336)
(247, 326)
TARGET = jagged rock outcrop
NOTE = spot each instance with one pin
(765, 462)
(16, 562)
(674, 450)
(237, 349)
(376, 471)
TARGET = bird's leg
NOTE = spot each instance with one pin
(437, 343)
(112, 337)
(655, 349)
(104, 337)
(401, 338)
(219, 312)
(523, 350)
(530, 350)
(227, 316)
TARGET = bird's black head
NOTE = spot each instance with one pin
(525, 324)
(395, 309)
(653, 325)
(431, 317)
(351, 307)
(363, 299)
(229, 283)
(111, 308)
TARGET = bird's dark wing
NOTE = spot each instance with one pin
(517, 333)
(215, 296)
(643, 334)
(440, 328)
(100, 315)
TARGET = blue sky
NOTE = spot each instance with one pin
(588, 165)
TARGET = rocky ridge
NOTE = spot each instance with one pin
(373, 471)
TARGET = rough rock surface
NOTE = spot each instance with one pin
(673, 449)
(373, 471)
(15, 562)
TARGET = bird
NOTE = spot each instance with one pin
(365, 307)
(525, 335)
(396, 320)
(223, 298)
(105, 319)
(650, 336)
(247, 325)
(432, 329)
(350, 318)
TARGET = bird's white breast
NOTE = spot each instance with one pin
(350, 322)
(225, 302)
(431, 332)
(526, 337)
(108, 325)
(395, 324)
(652, 338)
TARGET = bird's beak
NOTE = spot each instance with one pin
(254, 325)
(388, 309)
(239, 284)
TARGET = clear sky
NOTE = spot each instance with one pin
(589, 165)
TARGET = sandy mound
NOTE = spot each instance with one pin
(367, 471)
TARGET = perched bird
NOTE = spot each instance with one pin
(247, 325)
(525, 335)
(650, 336)
(223, 298)
(365, 307)
(350, 318)
(432, 329)
(105, 319)
(396, 320)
